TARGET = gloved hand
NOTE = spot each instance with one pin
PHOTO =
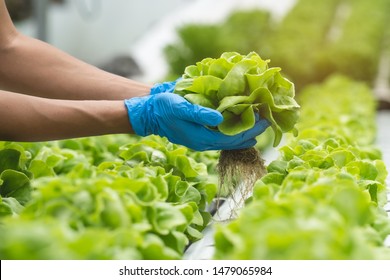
(170, 115)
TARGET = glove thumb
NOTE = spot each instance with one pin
(163, 87)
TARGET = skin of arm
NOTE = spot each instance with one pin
(46, 94)
(33, 67)
(31, 118)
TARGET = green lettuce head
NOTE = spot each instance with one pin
(239, 86)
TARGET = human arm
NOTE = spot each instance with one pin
(33, 67)
(48, 81)
(56, 80)
(30, 118)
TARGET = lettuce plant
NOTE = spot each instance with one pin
(142, 198)
(323, 197)
(239, 86)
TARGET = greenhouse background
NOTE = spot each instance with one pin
(326, 194)
(127, 28)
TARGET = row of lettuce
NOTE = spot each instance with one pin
(108, 197)
(122, 197)
(111, 197)
(330, 35)
(323, 197)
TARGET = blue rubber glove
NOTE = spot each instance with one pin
(170, 115)
(163, 87)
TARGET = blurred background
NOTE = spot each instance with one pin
(153, 40)
(104, 33)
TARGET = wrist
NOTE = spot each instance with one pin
(138, 111)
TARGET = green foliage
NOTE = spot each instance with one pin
(239, 86)
(109, 197)
(242, 31)
(301, 34)
(345, 37)
(121, 197)
(15, 187)
(193, 37)
(323, 197)
(357, 50)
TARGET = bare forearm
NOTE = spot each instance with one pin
(46, 94)
(28, 118)
(33, 67)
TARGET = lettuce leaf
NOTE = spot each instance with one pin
(239, 87)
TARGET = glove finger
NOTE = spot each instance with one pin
(247, 144)
(199, 114)
(215, 140)
(243, 145)
(236, 140)
(259, 127)
(207, 116)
